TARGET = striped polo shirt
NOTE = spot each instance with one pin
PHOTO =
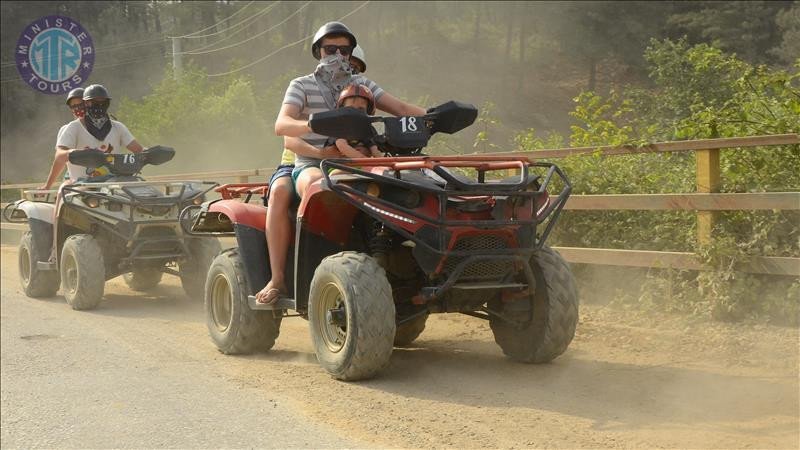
(306, 94)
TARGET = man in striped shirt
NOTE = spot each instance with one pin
(313, 93)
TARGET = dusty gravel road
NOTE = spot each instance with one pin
(140, 371)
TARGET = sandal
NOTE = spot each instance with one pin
(273, 294)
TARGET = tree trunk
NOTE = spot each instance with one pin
(478, 11)
(509, 36)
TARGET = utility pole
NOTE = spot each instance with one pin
(177, 62)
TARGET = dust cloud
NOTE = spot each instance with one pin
(416, 64)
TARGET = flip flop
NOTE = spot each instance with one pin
(273, 294)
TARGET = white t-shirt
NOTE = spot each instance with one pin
(74, 135)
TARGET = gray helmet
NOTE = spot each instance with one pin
(331, 28)
(75, 93)
(358, 53)
(95, 91)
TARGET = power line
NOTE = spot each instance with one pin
(191, 35)
(121, 46)
(252, 19)
(122, 63)
(248, 39)
(285, 46)
(130, 44)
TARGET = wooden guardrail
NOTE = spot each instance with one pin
(706, 201)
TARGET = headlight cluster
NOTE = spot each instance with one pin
(406, 198)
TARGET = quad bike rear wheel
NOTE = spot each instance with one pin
(83, 271)
(143, 279)
(351, 315)
(233, 326)
(409, 331)
(555, 313)
(193, 271)
(35, 283)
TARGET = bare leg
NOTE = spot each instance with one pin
(306, 178)
(277, 232)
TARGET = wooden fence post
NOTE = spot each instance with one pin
(708, 181)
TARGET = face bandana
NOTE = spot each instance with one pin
(97, 122)
(334, 73)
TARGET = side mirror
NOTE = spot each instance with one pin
(452, 116)
(346, 123)
(158, 155)
(89, 157)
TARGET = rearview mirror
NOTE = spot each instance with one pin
(158, 155)
(89, 157)
(452, 116)
(346, 123)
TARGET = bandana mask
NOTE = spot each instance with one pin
(334, 72)
(79, 113)
(97, 122)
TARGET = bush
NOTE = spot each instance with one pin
(696, 92)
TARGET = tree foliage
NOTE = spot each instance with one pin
(697, 91)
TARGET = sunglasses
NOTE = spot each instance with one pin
(343, 49)
(76, 106)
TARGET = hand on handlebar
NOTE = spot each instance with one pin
(330, 151)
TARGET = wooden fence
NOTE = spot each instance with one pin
(706, 201)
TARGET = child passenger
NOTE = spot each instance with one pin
(360, 97)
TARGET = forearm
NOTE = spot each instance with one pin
(291, 127)
(135, 147)
(397, 107)
(412, 110)
(59, 162)
(303, 148)
(347, 150)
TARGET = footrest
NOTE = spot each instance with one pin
(45, 265)
(282, 303)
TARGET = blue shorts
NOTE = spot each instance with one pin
(283, 170)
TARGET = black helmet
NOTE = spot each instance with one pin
(331, 28)
(95, 91)
(75, 93)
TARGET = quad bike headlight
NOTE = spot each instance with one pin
(91, 202)
(373, 189)
(197, 201)
(114, 206)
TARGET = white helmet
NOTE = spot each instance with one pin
(358, 55)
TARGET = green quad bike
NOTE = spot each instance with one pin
(381, 243)
(111, 225)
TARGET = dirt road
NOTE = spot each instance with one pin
(140, 371)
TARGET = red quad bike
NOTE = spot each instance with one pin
(381, 243)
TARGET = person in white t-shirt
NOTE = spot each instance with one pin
(75, 105)
(94, 130)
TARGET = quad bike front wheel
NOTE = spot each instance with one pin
(35, 283)
(233, 326)
(554, 308)
(194, 269)
(143, 279)
(351, 315)
(83, 272)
